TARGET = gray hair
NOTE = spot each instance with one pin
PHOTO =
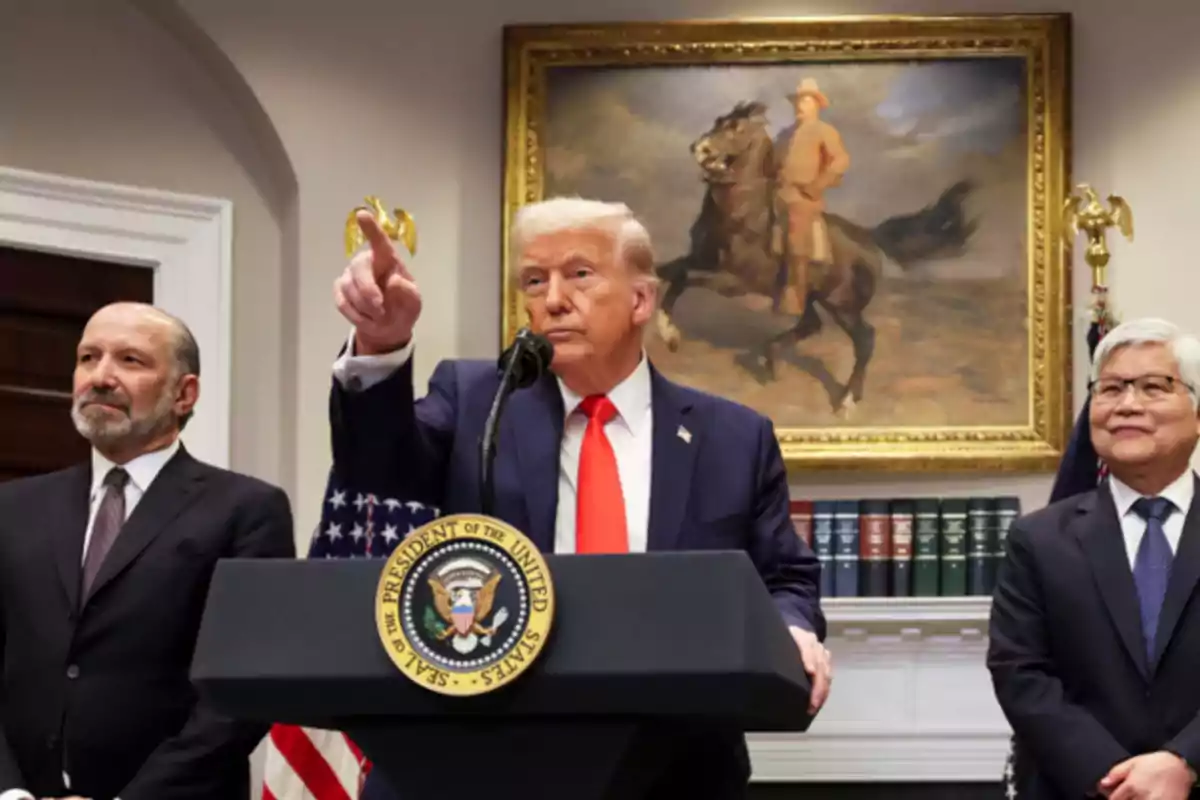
(1151, 330)
(185, 352)
(576, 213)
(187, 358)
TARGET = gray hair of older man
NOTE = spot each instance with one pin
(1150, 330)
(558, 214)
(184, 353)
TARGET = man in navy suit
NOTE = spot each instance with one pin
(1095, 627)
(603, 455)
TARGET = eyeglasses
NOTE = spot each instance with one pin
(1147, 388)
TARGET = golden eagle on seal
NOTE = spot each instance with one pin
(461, 611)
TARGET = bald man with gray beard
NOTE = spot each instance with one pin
(104, 571)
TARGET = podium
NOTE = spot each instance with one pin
(643, 648)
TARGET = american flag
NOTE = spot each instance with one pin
(309, 763)
(1079, 471)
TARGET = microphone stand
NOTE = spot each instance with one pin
(526, 360)
(490, 432)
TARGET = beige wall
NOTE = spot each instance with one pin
(404, 99)
(94, 91)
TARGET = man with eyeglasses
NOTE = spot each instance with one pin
(1095, 640)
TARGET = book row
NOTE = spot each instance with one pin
(907, 547)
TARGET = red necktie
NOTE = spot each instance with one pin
(600, 506)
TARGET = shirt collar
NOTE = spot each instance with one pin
(142, 470)
(631, 397)
(1179, 492)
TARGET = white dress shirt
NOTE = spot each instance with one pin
(631, 433)
(1133, 526)
(142, 472)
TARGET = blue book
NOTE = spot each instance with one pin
(846, 546)
(822, 526)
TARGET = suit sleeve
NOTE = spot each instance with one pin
(390, 445)
(1069, 745)
(788, 566)
(1186, 744)
(10, 772)
(195, 763)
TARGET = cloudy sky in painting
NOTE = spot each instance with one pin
(912, 130)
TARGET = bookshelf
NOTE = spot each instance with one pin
(910, 559)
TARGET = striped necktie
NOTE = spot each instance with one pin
(109, 519)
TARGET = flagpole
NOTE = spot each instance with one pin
(1083, 213)
(1080, 469)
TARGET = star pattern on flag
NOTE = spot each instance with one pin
(360, 525)
(307, 763)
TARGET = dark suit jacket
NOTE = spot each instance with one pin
(725, 489)
(1067, 656)
(102, 691)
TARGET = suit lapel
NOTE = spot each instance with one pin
(1099, 532)
(1185, 571)
(175, 487)
(672, 458)
(537, 446)
(66, 520)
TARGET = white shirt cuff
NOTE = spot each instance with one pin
(16, 794)
(356, 373)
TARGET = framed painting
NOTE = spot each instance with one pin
(856, 220)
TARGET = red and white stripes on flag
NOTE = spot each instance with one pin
(309, 763)
(312, 764)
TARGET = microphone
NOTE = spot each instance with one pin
(521, 365)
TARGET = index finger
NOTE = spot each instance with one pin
(383, 254)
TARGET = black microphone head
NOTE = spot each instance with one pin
(530, 356)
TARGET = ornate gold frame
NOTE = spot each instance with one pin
(1042, 39)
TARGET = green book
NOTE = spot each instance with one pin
(980, 545)
(953, 541)
(925, 552)
(1008, 508)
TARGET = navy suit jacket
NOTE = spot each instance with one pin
(726, 489)
(1066, 651)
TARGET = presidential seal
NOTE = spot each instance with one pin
(464, 604)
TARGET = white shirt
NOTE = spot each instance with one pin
(1133, 527)
(142, 472)
(630, 432)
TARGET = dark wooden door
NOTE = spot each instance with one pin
(45, 300)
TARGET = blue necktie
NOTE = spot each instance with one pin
(1152, 566)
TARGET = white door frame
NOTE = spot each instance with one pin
(186, 240)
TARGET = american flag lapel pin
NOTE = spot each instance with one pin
(685, 434)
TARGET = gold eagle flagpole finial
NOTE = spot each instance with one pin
(400, 228)
(1083, 212)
